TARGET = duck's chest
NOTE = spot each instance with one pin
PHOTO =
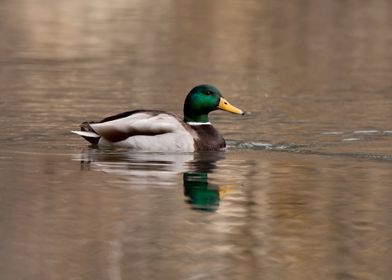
(208, 138)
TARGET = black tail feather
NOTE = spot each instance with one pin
(85, 126)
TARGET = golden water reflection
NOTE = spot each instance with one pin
(286, 216)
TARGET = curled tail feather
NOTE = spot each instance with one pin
(88, 133)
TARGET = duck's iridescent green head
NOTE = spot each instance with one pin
(203, 99)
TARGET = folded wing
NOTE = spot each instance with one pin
(138, 123)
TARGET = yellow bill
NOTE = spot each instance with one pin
(226, 106)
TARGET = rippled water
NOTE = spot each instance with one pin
(302, 192)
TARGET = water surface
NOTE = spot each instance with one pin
(302, 192)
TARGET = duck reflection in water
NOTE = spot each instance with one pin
(145, 169)
(201, 194)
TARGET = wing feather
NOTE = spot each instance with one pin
(139, 123)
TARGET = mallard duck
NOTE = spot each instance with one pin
(152, 130)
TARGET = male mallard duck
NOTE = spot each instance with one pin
(152, 130)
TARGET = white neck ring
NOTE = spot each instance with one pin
(198, 123)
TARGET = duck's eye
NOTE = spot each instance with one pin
(208, 92)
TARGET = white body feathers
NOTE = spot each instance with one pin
(145, 130)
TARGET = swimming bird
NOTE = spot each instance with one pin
(159, 131)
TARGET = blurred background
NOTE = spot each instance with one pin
(302, 192)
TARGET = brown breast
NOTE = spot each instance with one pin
(209, 138)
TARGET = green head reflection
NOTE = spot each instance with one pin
(200, 194)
